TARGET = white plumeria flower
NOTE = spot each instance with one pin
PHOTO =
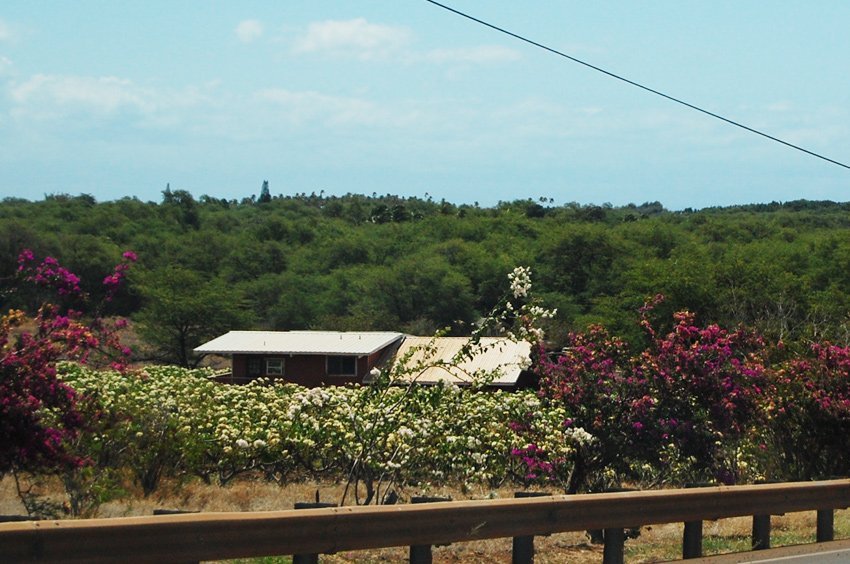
(579, 435)
(520, 281)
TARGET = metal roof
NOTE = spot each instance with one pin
(494, 354)
(300, 342)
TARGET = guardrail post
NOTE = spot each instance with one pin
(614, 539)
(826, 531)
(615, 542)
(692, 536)
(761, 532)
(523, 547)
(692, 540)
(421, 553)
(309, 558)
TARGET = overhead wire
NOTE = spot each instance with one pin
(635, 84)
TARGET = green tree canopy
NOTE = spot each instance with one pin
(182, 310)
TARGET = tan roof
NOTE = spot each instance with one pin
(300, 342)
(508, 358)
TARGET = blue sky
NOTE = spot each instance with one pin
(117, 99)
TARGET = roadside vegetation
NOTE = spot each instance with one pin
(636, 388)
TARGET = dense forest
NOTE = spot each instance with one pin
(357, 262)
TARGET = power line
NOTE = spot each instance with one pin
(636, 84)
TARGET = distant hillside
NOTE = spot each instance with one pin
(409, 264)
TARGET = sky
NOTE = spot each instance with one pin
(121, 99)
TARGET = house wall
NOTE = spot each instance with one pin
(310, 371)
(239, 367)
(305, 370)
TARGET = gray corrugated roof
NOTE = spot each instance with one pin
(300, 342)
(494, 354)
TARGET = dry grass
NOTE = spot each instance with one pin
(655, 544)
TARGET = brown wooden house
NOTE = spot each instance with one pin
(308, 358)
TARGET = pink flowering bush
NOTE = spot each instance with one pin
(684, 409)
(809, 415)
(592, 380)
(706, 386)
(39, 414)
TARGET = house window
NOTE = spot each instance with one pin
(342, 366)
(274, 367)
(255, 366)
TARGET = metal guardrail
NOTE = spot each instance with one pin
(215, 536)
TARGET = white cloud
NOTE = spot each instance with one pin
(315, 110)
(100, 95)
(66, 100)
(781, 106)
(303, 107)
(5, 65)
(249, 30)
(5, 31)
(476, 55)
(357, 38)
(363, 40)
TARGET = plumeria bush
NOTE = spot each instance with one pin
(285, 432)
(396, 419)
(392, 434)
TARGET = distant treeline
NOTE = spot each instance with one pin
(357, 262)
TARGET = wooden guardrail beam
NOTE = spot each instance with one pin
(208, 536)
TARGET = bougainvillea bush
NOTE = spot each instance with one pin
(39, 413)
(685, 409)
(46, 425)
(809, 413)
(708, 385)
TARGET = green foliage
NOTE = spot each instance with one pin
(183, 310)
(331, 262)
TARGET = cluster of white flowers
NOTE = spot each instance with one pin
(442, 433)
(542, 313)
(578, 436)
(527, 310)
(520, 281)
(531, 334)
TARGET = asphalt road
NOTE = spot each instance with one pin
(834, 552)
